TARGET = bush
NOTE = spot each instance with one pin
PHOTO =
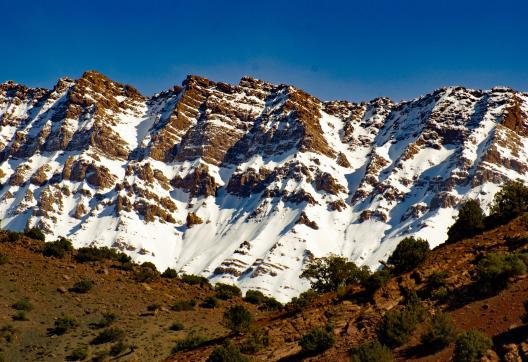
(95, 254)
(469, 222)
(82, 286)
(256, 340)
(238, 319)
(494, 270)
(35, 233)
(64, 324)
(524, 318)
(227, 353)
(303, 300)
(471, 346)
(270, 304)
(437, 279)
(316, 341)
(441, 331)
(509, 202)
(106, 320)
(23, 304)
(57, 248)
(118, 348)
(371, 352)
(396, 326)
(176, 326)
(182, 305)
(376, 280)
(409, 253)
(78, 354)
(329, 273)
(3, 258)
(147, 272)
(169, 273)
(21, 315)
(195, 280)
(226, 291)
(254, 297)
(109, 335)
(189, 342)
(209, 302)
(153, 307)
(11, 236)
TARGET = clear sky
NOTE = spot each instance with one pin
(353, 50)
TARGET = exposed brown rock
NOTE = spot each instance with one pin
(303, 220)
(325, 182)
(193, 219)
(39, 178)
(198, 182)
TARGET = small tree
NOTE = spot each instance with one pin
(57, 248)
(371, 352)
(35, 233)
(329, 273)
(509, 202)
(254, 297)
(238, 319)
(409, 253)
(229, 352)
(469, 222)
(169, 273)
(316, 341)
(441, 331)
(396, 326)
(227, 291)
(470, 346)
(494, 270)
(64, 324)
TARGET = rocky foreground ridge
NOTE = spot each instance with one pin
(245, 183)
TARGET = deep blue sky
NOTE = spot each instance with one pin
(352, 50)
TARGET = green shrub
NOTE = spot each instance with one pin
(100, 356)
(227, 353)
(396, 327)
(82, 286)
(153, 307)
(209, 302)
(118, 348)
(182, 305)
(226, 291)
(98, 254)
(35, 233)
(469, 222)
(329, 273)
(270, 304)
(470, 346)
(20, 315)
(189, 342)
(376, 280)
(195, 280)
(255, 341)
(437, 279)
(3, 258)
(409, 253)
(11, 236)
(316, 341)
(371, 352)
(238, 319)
(176, 326)
(64, 324)
(7, 332)
(169, 273)
(441, 331)
(57, 248)
(147, 272)
(23, 304)
(441, 294)
(254, 297)
(303, 300)
(109, 335)
(78, 354)
(106, 320)
(2, 358)
(509, 202)
(494, 270)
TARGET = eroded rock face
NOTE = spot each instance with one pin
(96, 159)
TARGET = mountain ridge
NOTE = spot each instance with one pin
(245, 183)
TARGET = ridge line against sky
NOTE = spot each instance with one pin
(334, 50)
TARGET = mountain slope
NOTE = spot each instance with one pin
(245, 183)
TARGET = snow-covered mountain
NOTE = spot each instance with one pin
(245, 183)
